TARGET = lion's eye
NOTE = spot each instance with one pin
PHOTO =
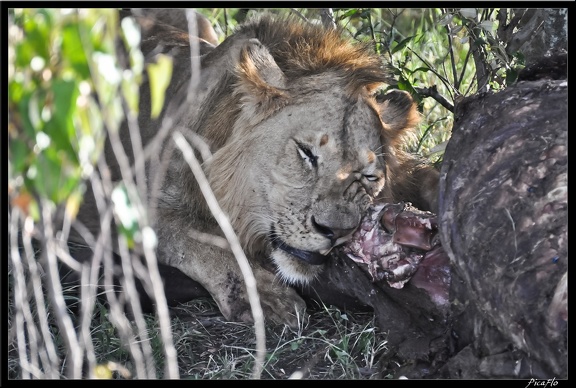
(371, 178)
(308, 155)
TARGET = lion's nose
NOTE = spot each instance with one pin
(331, 232)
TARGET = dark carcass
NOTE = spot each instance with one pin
(503, 257)
(503, 222)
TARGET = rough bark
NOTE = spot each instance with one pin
(550, 38)
(503, 222)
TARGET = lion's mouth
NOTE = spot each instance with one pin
(314, 258)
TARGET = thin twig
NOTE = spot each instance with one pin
(432, 91)
(299, 14)
(452, 59)
(442, 78)
(327, 17)
(230, 235)
(55, 290)
(464, 66)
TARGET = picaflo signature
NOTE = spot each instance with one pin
(542, 383)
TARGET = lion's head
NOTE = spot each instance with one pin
(302, 140)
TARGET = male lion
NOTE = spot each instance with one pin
(302, 142)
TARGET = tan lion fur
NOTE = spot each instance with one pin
(302, 141)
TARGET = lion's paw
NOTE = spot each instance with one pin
(280, 303)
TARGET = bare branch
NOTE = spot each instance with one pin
(526, 31)
(228, 231)
(55, 291)
(327, 17)
(433, 92)
(452, 60)
(299, 14)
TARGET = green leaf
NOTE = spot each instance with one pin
(19, 152)
(511, 76)
(15, 91)
(60, 127)
(487, 25)
(24, 54)
(402, 44)
(362, 30)
(160, 74)
(404, 84)
(65, 94)
(365, 13)
(420, 69)
(520, 57)
(126, 213)
(26, 106)
(73, 50)
(480, 42)
(70, 187)
(37, 34)
(446, 19)
(131, 92)
(469, 13)
(348, 13)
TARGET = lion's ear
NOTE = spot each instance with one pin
(261, 82)
(398, 111)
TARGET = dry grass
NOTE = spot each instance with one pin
(329, 344)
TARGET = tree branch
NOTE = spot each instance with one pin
(432, 91)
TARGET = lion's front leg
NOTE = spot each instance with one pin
(217, 270)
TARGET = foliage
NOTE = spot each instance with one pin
(438, 55)
(56, 125)
(73, 76)
(69, 88)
